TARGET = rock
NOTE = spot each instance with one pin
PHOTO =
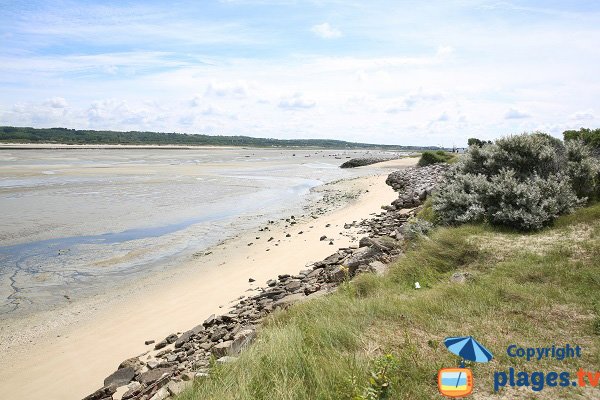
(161, 394)
(338, 274)
(289, 300)
(288, 235)
(242, 340)
(461, 277)
(183, 339)
(209, 321)
(271, 282)
(322, 238)
(251, 280)
(221, 349)
(378, 267)
(152, 364)
(188, 376)
(147, 342)
(362, 161)
(102, 393)
(171, 338)
(176, 388)
(149, 377)
(134, 389)
(132, 362)
(293, 286)
(160, 345)
(120, 377)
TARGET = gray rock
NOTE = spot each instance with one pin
(209, 321)
(242, 340)
(161, 394)
(149, 377)
(134, 389)
(221, 349)
(289, 300)
(293, 286)
(104, 392)
(120, 377)
(132, 362)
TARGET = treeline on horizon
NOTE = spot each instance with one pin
(11, 134)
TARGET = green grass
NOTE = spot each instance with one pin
(434, 157)
(530, 290)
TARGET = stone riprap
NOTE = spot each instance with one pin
(180, 358)
(415, 184)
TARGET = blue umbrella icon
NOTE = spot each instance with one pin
(469, 349)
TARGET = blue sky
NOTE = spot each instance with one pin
(401, 72)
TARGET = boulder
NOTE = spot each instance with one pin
(149, 377)
(102, 393)
(289, 300)
(120, 377)
(242, 340)
(221, 349)
(161, 394)
(132, 362)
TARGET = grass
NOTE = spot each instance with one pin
(517, 293)
(434, 157)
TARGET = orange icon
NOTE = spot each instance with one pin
(455, 382)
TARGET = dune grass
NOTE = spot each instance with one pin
(531, 290)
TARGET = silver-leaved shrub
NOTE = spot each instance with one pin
(523, 182)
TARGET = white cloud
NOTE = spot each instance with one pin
(582, 116)
(443, 117)
(326, 31)
(513, 113)
(227, 89)
(296, 101)
(445, 50)
(57, 102)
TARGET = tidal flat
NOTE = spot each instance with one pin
(76, 222)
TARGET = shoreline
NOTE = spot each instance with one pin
(68, 362)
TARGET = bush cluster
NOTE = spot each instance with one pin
(434, 157)
(523, 182)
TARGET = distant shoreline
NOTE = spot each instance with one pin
(64, 146)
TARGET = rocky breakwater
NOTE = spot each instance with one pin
(180, 358)
(415, 184)
(362, 161)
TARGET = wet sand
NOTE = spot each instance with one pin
(65, 353)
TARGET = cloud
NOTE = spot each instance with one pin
(445, 50)
(296, 101)
(582, 116)
(227, 89)
(443, 118)
(326, 31)
(513, 113)
(57, 102)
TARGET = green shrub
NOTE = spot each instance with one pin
(415, 228)
(583, 170)
(434, 157)
(590, 137)
(523, 182)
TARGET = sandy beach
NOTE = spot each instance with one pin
(66, 355)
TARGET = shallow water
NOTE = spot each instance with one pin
(74, 221)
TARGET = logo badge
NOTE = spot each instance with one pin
(455, 382)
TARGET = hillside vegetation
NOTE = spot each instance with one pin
(9, 134)
(502, 287)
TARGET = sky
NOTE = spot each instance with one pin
(391, 72)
